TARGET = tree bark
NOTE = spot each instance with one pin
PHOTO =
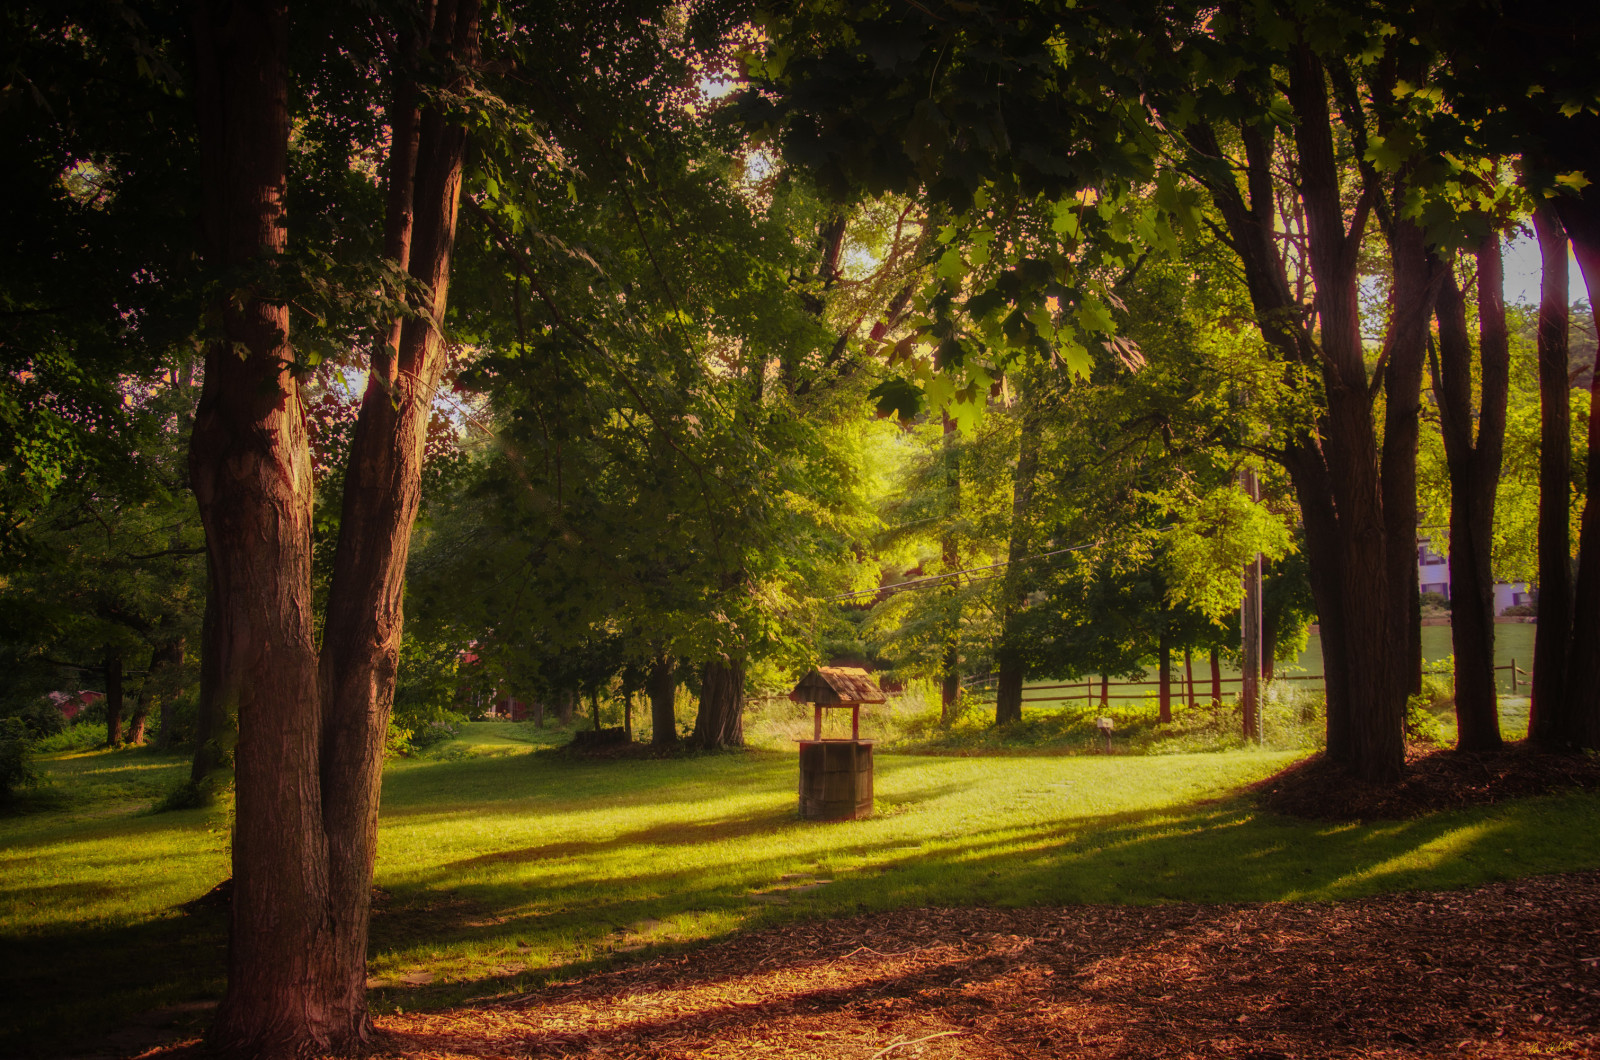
(1216, 678)
(663, 717)
(720, 721)
(1008, 657)
(382, 491)
(1550, 721)
(950, 664)
(113, 668)
(1581, 218)
(141, 702)
(251, 473)
(168, 671)
(1164, 665)
(1474, 468)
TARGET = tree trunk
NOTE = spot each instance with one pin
(594, 702)
(1474, 467)
(1550, 721)
(1250, 632)
(1188, 676)
(720, 721)
(168, 671)
(627, 715)
(251, 473)
(141, 703)
(113, 669)
(663, 717)
(1008, 657)
(950, 665)
(1164, 665)
(1105, 691)
(1216, 678)
(382, 491)
(1582, 220)
(566, 701)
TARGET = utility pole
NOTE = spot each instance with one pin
(1250, 629)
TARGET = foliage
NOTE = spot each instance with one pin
(15, 746)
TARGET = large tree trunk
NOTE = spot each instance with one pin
(382, 491)
(1550, 719)
(251, 473)
(1582, 220)
(720, 721)
(662, 687)
(1474, 467)
(113, 669)
(1008, 657)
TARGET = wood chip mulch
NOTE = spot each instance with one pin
(1506, 970)
(1434, 780)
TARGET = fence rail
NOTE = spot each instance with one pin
(1181, 689)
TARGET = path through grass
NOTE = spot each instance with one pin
(500, 867)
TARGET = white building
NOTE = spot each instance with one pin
(1433, 576)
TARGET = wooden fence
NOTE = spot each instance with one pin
(1182, 690)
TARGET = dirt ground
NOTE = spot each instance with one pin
(1508, 970)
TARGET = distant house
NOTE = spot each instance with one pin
(1433, 576)
(71, 703)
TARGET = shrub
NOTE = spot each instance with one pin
(83, 737)
(1521, 611)
(15, 769)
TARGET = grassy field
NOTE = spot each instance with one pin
(502, 864)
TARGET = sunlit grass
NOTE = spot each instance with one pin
(501, 866)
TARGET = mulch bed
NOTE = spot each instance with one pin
(1434, 780)
(1507, 970)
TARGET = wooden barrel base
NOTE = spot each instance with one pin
(835, 779)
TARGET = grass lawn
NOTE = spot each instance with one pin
(501, 865)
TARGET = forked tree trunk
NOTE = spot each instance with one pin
(720, 721)
(305, 782)
(1550, 719)
(1358, 502)
(663, 715)
(251, 473)
(1474, 467)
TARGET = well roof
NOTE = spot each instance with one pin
(831, 686)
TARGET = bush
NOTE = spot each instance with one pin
(42, 718)
(15, 769)
(1521, 611)
(1435, 602)
(84, 737)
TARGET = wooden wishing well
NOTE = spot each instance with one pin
(836, 774)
